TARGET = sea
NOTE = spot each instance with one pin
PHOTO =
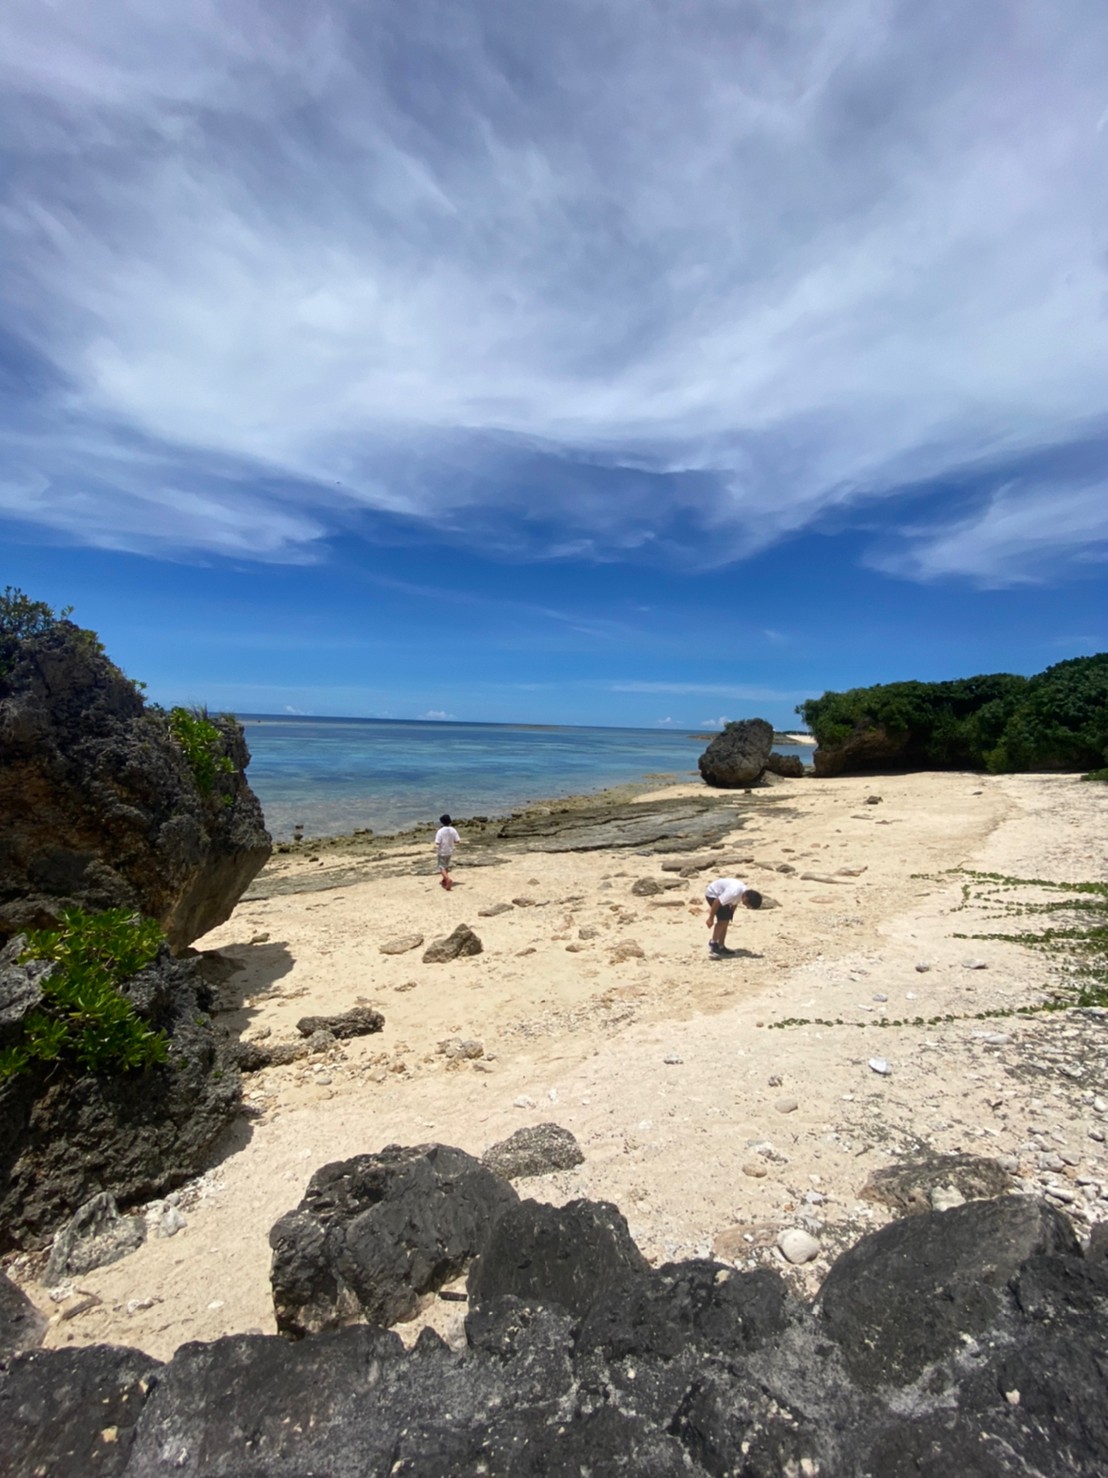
(332, 776)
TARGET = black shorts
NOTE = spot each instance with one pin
(725, 913)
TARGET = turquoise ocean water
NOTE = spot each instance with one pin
(334, 774)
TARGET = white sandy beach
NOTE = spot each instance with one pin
(710, 1128)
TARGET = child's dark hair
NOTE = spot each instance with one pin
(752, 898)
(445, 821)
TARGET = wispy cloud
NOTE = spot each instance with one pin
(575, 282)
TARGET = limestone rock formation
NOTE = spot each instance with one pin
(692, 1369)
(98, 805)
(869, 748)
(791, 766)
(373, 1234)
(21, 1324)
(66, 1135)
(738, 755)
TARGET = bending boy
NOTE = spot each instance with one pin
(722, 896)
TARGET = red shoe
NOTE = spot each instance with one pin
(447, 884)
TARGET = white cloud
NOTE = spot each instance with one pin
(762, 262)
(1017, 537)
(437, 713)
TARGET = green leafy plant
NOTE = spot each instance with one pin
(23, 619)
(1057, 720)
(84, 1018)
(202, 745)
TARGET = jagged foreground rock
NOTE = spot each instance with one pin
(98, 806)
(66, 1136)
(969, 1342)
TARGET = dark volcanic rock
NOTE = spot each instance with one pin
(537, 1149)
(72, 1413)
(789, 765)
(21, 1324)
(98, 807)
(695, 1370)
(375, 1233)
(909, 1294)
(738, 755)
(359, 1021)
(65, 1137)
(567, 1255)
(462, 942)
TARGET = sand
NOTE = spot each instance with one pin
(711, 1127)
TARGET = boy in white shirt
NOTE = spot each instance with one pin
(446, 839)
(722, 896)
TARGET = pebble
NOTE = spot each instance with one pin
(673, 1059)
(974, 965)
(523, 1102)
(797, 1246)
(879, 1065)
(1060, 1193)
(944, 1197)
(753, 1169)
(1097, 1134)
(786, 1105)
(923, 967)
(878, 996)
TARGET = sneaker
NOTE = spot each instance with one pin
(447, 884)
(715, 950)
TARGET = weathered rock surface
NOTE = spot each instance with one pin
(537, 1149)
(98, 806)
(791, 766)
(359, 1021)
(374, 1234)
(65, 1136)
(868, 749)
(95, 1235)
(463, 941)
(21, 1324)
(908, 1186)
(568, 1255)
(694, 1369)
(737, 755)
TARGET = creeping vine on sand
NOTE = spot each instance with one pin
(1076, 938)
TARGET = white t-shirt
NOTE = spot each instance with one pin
(445, 839)
(725, 891)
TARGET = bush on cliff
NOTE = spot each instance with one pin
(1057, 720)
(84, 1018)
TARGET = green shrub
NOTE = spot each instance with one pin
(1057, 720)
(202, 745)
(84, 1018)
(22, 619)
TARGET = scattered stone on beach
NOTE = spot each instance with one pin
(923, 966)
(873, 800)
(648, 887)
(537, 1149)
(401, 945)
(523, 902)
(798, 1246)
(626, 950)
(254, 1057)
(463, 941)
(461, 1049)
(755, 1169)
(975, 965)
(492, 911)
(359, 1021)
(673, 1059)
(786, 1105)
(907, 1187)
(879, 1065)
(587, 932)
(523, 1101)
(820, 877)
(95, 1235)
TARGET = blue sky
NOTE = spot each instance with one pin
(611, 362)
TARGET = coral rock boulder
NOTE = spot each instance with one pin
(738, 755)
(99, 805)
